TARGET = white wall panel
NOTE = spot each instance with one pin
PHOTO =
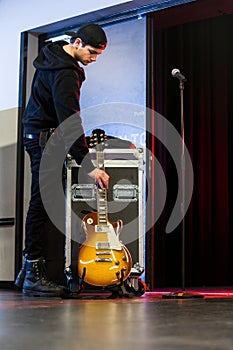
(114, 94)
(7, 253)
(19, 16)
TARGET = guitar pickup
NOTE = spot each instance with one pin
(103, 260)
(102, 228)
(102, 245)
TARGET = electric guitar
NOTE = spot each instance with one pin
(103, 259)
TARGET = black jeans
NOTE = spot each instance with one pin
(39, 219)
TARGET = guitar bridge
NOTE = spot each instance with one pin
(103, 253)
(103, 260)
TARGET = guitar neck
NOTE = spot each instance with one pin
(100, 159)
(102, 201)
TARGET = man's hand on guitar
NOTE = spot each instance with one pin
(101, 178)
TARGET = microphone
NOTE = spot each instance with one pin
(176, 74)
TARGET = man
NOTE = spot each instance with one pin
(53, 102)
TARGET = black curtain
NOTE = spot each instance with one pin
(203, 51)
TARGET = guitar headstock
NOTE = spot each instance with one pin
(98, 139)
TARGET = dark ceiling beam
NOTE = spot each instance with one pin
(112, 14)
(200, 10)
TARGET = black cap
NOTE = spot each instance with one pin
(91, 34)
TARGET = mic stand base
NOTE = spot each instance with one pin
(182, 295)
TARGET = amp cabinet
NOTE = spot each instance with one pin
(125, 201)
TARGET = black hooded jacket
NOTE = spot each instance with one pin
(55, 97)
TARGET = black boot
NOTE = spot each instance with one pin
(36, 282)
(21, 275)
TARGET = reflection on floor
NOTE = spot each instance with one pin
(155, 320)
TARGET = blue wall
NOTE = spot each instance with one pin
(114, 93)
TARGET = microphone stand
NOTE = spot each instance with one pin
(182, 294)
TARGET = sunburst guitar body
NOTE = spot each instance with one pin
(103, 259)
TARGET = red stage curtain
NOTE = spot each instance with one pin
(203, 51)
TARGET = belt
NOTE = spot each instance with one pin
(32, 136)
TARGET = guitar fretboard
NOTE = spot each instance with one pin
(102, 194)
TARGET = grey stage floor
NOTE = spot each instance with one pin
(151, 321)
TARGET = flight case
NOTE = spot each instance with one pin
(125, 202)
